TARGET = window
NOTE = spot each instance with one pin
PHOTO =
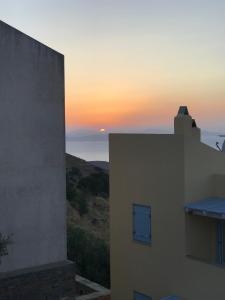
(220, 242)
(142, 223)
(139, 296)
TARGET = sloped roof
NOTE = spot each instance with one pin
(213, 207)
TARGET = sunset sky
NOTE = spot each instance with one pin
(131, 63)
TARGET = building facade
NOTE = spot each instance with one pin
(32, 156)
(167, 206)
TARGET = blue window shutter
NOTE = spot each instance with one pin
(142, 223)
(223, 242)
(219, 242)
(140, 296)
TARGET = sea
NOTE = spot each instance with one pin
(89, 150)
(99, 150)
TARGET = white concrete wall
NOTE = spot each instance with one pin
(32, 151)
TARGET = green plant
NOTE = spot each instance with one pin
(96, 184)
(5, 240)
(78, 200)
(91, 255)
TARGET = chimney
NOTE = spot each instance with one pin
(185, 125)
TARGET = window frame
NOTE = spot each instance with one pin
(133, 224)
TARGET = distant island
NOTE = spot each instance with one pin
(100, 164)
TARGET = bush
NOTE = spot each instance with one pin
(90, 254)
(73, 173)
(77, 199)
(5, 240)
(96, 184)
(69, 190)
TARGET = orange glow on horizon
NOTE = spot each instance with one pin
(120, 103)
(114, 113)
(124, 68)
(103, 112)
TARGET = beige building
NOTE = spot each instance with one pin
(167, 215)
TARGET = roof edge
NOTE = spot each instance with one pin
(29, 37)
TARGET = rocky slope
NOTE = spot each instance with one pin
(87, 195)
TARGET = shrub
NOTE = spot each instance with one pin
(5, 240)
(69, 190)
(78, 200)
(90, 254)
(96, 184)
(73, 172)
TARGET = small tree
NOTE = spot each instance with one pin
(5, 240)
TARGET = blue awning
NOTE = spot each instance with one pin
(213, 207)
(171, 298)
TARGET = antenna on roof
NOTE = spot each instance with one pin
(217, 145)
(223, 146)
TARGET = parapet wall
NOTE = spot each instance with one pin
(46, 283)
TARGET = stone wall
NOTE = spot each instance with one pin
(50, 282)
(88, 290)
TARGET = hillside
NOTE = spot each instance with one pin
(87, 195)
(100, 164)
(86, 168)
(88, 219)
